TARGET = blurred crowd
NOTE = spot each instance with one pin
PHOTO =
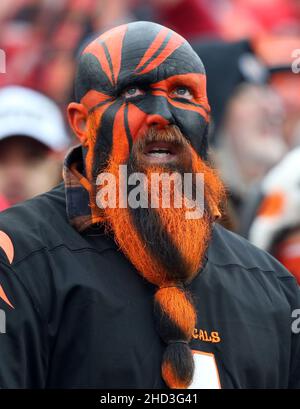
(251, 51)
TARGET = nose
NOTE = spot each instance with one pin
(157, 120)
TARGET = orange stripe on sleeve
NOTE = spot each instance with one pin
(7, 246)
(4, 297)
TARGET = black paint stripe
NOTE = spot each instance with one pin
(186, 101)
(160, 102)
(109, 61)
(100, 104)
(156, 54)
(104, 138)
(127, 128)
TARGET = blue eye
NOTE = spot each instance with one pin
(182, 92)
(132, 92)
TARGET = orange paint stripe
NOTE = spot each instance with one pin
(182, 105)
(114, 44)
(154, 46)
(93, 97)
(188, 107)
(136, 120)
(97, 50)
(4, 297)
(174, 43)
(120, 147)
(90, 154)
(196, 81)
(7, 246)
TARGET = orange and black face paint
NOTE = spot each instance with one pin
(150, 57)
(154, 60)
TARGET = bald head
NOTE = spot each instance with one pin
(131, 78)
(142, 52)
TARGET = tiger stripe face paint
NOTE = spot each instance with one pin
(145, 91)
(134, 76)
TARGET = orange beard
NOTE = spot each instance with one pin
(165, 247)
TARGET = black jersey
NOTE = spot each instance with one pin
(76, 314)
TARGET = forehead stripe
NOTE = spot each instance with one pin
(169, 45)
(114, 45)
(108, 58)
(153, 48)
(98, 51)
(108, 51)
(155, 55)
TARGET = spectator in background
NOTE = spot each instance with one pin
(287, 84)
(41, 37)
(33, 140)
(276, 223)
(270, 110)
(281, 55)
(251, 138)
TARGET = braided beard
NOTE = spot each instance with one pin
(167, 249)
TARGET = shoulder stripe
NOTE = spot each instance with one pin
(7, 246)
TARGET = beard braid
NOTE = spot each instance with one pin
(168, 249)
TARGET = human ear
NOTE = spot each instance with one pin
(78, 116)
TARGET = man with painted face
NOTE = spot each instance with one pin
(139, 296)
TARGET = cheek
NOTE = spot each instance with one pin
(194, 128)
(120, 140)
(94, 123)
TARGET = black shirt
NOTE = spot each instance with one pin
(78, 315)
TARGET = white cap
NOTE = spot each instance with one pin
(24, 111)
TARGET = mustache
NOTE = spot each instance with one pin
(171, 135)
